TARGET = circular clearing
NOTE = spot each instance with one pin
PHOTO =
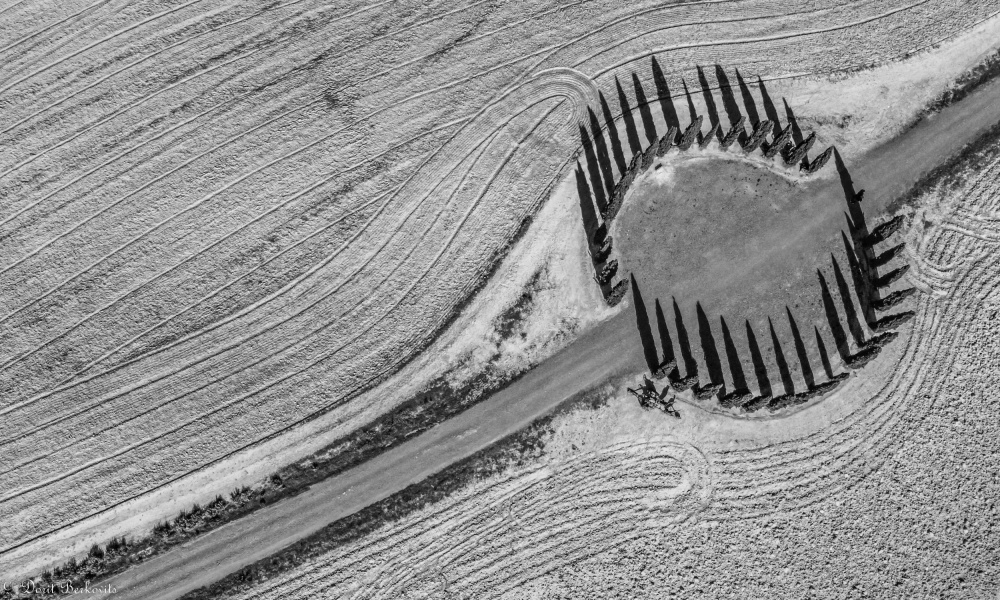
(747, 274)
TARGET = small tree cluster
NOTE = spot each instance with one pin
(798, 153)
(820, 161)
(734, 132)
(760, 133)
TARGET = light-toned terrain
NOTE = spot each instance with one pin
(607, 350)
(224, 223)
(885, 490)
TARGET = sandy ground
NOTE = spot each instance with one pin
(885, 490)
(210, 207)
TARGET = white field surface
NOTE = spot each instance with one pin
(223, 223)
(887, 489)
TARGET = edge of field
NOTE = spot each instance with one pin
(438, 401)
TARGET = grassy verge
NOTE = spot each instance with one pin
(953, 173)
(515, 450)
(966, 83)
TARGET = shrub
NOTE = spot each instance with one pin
(891, 277)
(734, 132)
(863, 357)
(887, 256)
(707, 139)
(608, 272)
(755, 404)
(779, 402)
(820, 161)
(617, 293)
(601, 253)
(883, 231)
(665, 369)
(707, 391)
(685, 383)
(736, 398)
(882, 339)
(647, 157)
(668, 140)
(799, 152)
(757, 137)
(690, 134)
(780, 142)
(894, 298)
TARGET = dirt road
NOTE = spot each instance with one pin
(611, 348)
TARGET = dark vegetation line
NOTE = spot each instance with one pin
(968, 82)
(955, 171)
(518, 449)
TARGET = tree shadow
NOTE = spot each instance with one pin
(759, 369)
(861, 265)
(833, 319)
(708, 347)
(853, 324)
(800, 351)
(664, 97)
(729, 104)
(784, 372)
(733, 358)
(648, 125)
(690, 365)
(630, 130)
(644, 327)
(693, 113)
(770, 111)
(797, 136)
(603, 158)
(665, 342)
(706, 91)
(597, 186)
(587, 208)
(616, 144)
(824, 358)
(861, 279)
(748, 101)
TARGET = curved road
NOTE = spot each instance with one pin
(611, 348)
